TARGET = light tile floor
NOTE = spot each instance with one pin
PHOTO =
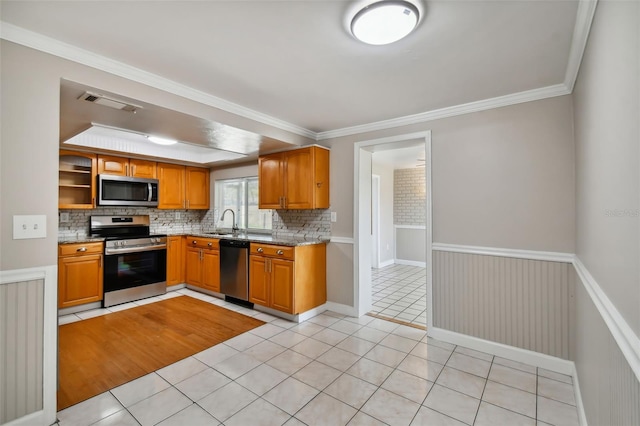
(334, 370)
(399, 292)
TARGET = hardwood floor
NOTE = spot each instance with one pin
(101, 353)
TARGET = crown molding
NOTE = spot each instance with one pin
(483, 105)
(584, 18)
(54, 47)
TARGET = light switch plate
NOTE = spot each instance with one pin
(334, 217)
(29, 226)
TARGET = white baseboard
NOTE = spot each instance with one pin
(176, 287)
(410, 263)
(386, 263)
(582, 415)
(311, 313)
(525, 356)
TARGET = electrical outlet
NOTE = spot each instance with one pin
(334, 217)
(64, 217)
(177, 215)
(29, 226)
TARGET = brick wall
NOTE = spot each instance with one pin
(409, 187)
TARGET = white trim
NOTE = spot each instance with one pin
(525, 356)
(624, 336)
(410, 263)
(387, 263)
(409, 226)
(310, 313)
(49, 273)
(549, 256)
(342, 240)
(582, 415)
(55, 47)
(483, 105)
(339, 308)
(584, 18)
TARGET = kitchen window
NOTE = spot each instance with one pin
(241, 196)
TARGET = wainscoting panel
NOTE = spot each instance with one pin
(529, 304)
(21, 348)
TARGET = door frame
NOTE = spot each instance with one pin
(375, 217)
(362, 218)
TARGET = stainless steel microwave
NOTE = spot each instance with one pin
(127, 191)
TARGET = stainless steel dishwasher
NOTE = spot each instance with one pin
(234, 270)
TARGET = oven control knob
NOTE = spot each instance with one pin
(123, 243)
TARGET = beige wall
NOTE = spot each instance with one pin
(607, 116)
(501, 178)
(30, 140)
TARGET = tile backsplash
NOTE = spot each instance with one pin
(162, 221)
(310, 224)
(286, 223)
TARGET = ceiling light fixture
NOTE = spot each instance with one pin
(385, 22)
(162, 141)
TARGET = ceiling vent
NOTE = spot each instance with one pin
(108, 102)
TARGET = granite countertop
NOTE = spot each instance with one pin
(254, 238)
(261, 238)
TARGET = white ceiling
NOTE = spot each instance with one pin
(295, 61)
(401, 158)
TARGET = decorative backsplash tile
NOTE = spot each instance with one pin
(311, 224)
(409, 186)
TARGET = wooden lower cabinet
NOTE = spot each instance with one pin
(288, 279)
(175, 260)
(80, 279)
(203, 263)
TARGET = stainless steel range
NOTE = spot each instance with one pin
(135, 262)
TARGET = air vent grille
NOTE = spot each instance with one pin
(108, 102)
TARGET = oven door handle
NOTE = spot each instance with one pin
(134, 249)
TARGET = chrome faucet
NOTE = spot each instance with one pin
(234, 225)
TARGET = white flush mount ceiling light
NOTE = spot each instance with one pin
(162, 141)
(385, 21)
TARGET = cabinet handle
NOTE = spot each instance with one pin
(269, 265)
(194, 242)
(187, 203)
(210, 244)
(82, 249)
(126, 170)
(279, 252)
(284, 202)
(93, 201)
(260, 250)
(318, 184)
(133, 170)
(266, 265)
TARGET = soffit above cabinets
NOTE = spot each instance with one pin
(98, 127)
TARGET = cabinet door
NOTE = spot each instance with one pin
(109, 165)
(270, 181)
(258, 280)
(197, 188)
(193, 267)
(79, 280)
(142, 168)
(299, 179)
(211, 270)
(77, 180)
(175, 260)
(171, 177)
(282, 285)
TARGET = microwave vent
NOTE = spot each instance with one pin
(108, 102)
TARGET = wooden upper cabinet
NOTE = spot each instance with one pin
(171, 186)
(297, 179)
(183, 187)
(197, 188)
(76, 180)
(120, 166)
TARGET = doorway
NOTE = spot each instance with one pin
(364, 218)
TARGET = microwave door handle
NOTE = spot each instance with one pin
(149, 192)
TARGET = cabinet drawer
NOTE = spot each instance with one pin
(282, 252)
(79, 249)
(209, 243)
